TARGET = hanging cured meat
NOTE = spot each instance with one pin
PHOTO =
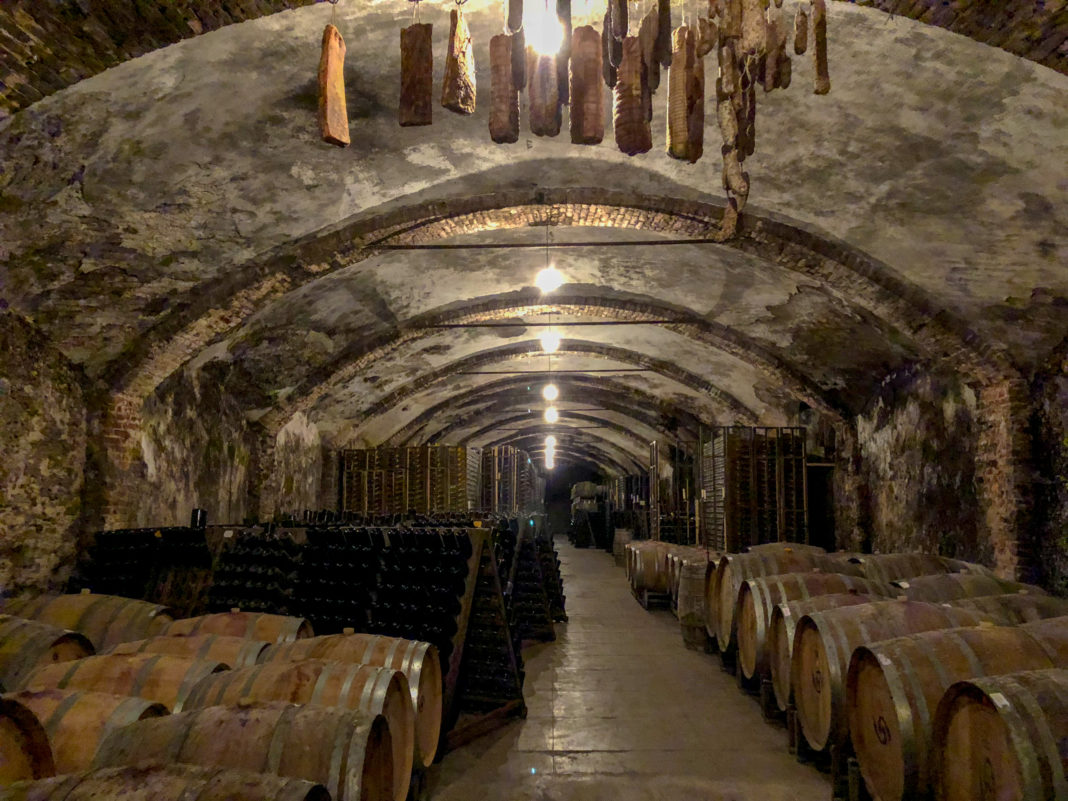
(545, 117)
(333, 116)
(519, 60)
(587, 94)
(663, 30)
(707, 36)
(785, 69)
(819, 33)
(563, 55)
(609, 61)
(504, 98)
(633, 133)
(617, 9)
(515, 15)
(731, 27)
(801, 31)
(458, 86)
(686, 98)
(417, 75)
(648, 36)
(754, 27)
(776, 44)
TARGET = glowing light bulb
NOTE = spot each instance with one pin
(549, 279)
(550, 340)
(544, 31)
(550, 442)
(550, 392)
(551, 415)
(550, 461)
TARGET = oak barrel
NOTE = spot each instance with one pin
(370, 689)
(734, 569)
(759, 596)
(234, 652)
(77, 721)
(349, 752)
(105, 619)
(894, 686)
(251, 625)
(953, 586)
(887, 567)
(780, 643)
(1017, 608)
(24, 750)
(650, 568)
(167, 783)
(27, 644)
(418, 661)
(692, 580)
(166, 679)
(1002, 737)
(824, 643)
(799, 547)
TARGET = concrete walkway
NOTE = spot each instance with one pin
(620, 710)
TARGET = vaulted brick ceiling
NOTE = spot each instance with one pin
(179, 210)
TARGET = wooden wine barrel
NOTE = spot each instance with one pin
(953, 586)
(1051, 634)
(692, 579)
(369, 689)
(24, 750)
(759, 596)
(894, 686)
(234, 652)
(887, 567)
(620, 541)
(1017, 608)
(168, 680)
(250, 625)
(167, 783)
(348, 752)
(824, 643)
(734, 569)
(418, 661)
(27, 644)
(77, 721)
(105, 619)
(650, 571)
(770, 547)
(1002, 738)
(780, 642)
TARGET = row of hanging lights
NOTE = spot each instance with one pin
(548, 280)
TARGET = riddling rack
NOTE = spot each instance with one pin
(435, 584)
(754, 486)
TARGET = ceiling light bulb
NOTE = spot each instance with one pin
(550, 340)
(544, 31)
(551, 415)
(550, 442)
(550, 392)
(549, 279)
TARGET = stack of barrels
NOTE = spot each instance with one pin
(945, 681)
(107, 694)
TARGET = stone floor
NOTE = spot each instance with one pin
(620, 710)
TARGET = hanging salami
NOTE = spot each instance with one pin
(633, 133)
(333, 115)
(504, 99)
(819, 34)
(587, 94)
(754, 27)
(731, 28)
(519, 60)
(800, 31)
(542, 94)
(563, 55)
(663, 30)
(647, 35)
(619, 13)
(686, 98)
(458, 85)
(417, 75)
(608, 69)
(515, 16)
